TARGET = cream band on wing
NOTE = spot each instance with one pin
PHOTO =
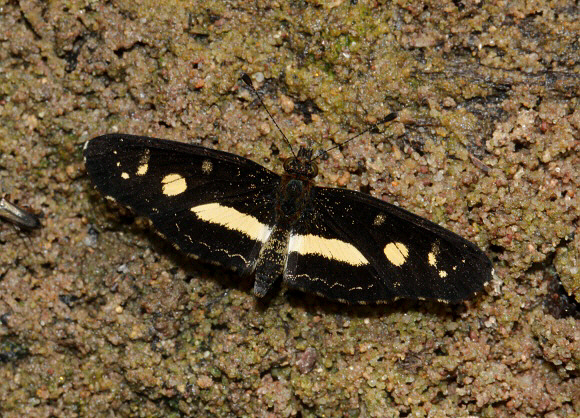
(330, 248)
(232, 219)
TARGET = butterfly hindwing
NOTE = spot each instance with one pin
(213, 205)
(352, 247)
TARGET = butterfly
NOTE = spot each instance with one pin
(337, 243)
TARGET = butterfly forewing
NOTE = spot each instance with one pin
(210, 204)
(352, 247)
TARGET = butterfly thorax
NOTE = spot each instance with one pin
(294, 190)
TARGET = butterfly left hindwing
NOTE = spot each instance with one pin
(212, 205)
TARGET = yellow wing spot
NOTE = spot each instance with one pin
(124, 175)
(232, 219)
(396, 253)
(432, 256)
(142, 169)
(379, 220)
(330, 248)
(206, 166)
(442, 274)
(144, 163)
(118, 163)
(432, 259)
(173, 184)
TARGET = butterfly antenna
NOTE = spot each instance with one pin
(386, 119)
(246, 79)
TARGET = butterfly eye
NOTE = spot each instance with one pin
(313, 170)
(290, 165)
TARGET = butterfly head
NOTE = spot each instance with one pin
(302, 165)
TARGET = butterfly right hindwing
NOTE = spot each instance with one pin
(213, 205)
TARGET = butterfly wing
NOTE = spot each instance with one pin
(212, 205)
(354, 248)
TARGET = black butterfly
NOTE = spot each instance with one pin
(337, 243)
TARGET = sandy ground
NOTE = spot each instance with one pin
(100, 317)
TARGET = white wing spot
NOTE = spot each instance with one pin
(396, 253)
(124, 175)
(173, 184)
(442, 274)
(232, 219)
(330, 248)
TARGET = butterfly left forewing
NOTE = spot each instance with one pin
(212, 205)
(354, 248)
